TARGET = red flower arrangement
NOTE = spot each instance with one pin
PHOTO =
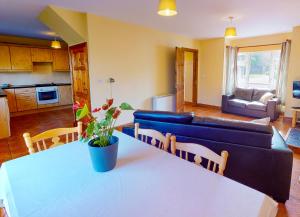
(101, 130)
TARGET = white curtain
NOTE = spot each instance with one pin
(231, 69)
(283, 68)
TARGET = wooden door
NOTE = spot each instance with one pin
(5, 63)
(41, 55)
(20, 58)
(80, 73)
(179, 79)
(61, 60)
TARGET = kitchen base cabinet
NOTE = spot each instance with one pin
(65, 95)
(26, 99)
(4, 118)
(11, 98)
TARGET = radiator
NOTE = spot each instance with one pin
(164, 103)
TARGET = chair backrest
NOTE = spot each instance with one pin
(41, 141)
(156, 138)
(200, 151)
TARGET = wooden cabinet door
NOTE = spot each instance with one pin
(41, 55)
(11, 98)
(4, 119)
(80, 73)
(20, 58)
(65, 95)
(61, 60)
(26, 99)
(5, 63)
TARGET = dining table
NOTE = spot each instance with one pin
(146, 182)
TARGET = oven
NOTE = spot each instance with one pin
(47, 95)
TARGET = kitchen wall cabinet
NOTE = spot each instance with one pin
(20, 58)
(41, 55)
(26, 99)
(11, 98)
(61, 60)
(65, 95)
(5, 63)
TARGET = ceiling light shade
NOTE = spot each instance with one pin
(167, 8)
(55, 44)
(231, 30)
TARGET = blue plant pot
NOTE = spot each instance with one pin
(104, 158)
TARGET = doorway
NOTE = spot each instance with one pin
(186, 77)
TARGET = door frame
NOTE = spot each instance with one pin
(195, 73)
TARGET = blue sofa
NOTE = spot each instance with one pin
(258, 155)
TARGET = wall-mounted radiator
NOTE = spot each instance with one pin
(164, 103)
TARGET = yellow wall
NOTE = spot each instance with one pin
(69, 25)
(188, 76)
(141, 60)
(294, 71)
(210, 78)
(260, 40)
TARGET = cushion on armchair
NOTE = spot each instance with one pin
(243, 94)
(257, 106)
(266, 97)
(238, 103)
(258, 93)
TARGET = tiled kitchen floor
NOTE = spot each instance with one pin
(14, 146)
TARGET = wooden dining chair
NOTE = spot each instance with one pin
(157, 138)
(41, 141)
(200, 152)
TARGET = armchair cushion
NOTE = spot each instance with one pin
(257, 106)
(238, 103)
(243, 94)
(258, 93)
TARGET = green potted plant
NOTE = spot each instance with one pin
(103, 145)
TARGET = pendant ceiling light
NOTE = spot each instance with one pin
(231, 30)
(55, 44)
(167, 8)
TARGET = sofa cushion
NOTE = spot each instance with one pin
(266, 97)
(238, 103)
(163, 116)
(256, 106)
(243, 94)
(258, 93)
(233, 124)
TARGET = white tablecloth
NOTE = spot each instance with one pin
(147, 182)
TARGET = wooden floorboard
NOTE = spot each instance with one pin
(36, 123)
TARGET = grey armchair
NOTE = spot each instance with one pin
(246, 102)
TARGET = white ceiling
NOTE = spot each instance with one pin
(196, 18)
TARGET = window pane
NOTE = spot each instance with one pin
(258, 69)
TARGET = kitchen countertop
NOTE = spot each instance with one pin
(33, 85)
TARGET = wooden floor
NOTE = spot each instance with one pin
(15, 147)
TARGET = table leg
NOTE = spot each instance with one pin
(294, 120)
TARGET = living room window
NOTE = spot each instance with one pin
(258, 69)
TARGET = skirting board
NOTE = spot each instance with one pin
(202, 105)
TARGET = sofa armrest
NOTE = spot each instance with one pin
(281, 167)
(273, 108)
(225, 99)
